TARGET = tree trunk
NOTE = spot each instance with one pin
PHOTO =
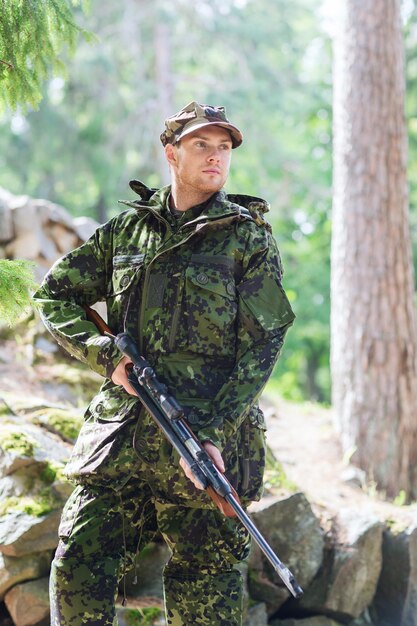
(374, 331)
(101, 209)
(164, 89)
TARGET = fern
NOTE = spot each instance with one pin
(16, 282)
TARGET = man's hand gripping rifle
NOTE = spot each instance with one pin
(169, 416)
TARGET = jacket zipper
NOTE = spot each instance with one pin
(146, 284)
(197, 221)
(175, 319)
(246, 455)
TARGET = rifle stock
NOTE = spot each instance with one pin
(169, 416)
(97, 320)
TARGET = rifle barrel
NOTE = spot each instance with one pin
(166, 415)
(284, 573)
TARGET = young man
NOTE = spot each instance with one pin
(194, 275)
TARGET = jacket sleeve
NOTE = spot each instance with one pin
(264, 317)
(76, 280)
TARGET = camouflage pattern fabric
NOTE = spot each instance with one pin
(194, 116)
(101, 532)
(202, 296)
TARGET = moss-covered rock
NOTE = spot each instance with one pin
(24, 444)
(17, 448)
(294, 533)
(13, 440)
(38, 504)
(64, 422)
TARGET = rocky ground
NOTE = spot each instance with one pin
(301, 437)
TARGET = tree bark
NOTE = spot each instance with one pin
(373, 319)
(101, 209)
(164, 90)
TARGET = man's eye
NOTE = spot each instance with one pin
(200, 144)
(225, 146)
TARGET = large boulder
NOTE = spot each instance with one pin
(346, 583)
(22, 533)
(293, 531)
(32, 488)
(396, 597)
(28, 603)
(17, 570)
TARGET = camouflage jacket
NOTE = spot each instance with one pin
(202, 296)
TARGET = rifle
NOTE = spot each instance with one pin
(169, 416)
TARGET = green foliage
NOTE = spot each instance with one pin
(401, 499)
(16, 280)
(13, 440)
(285, 383)
(32, 34)
(142, 617)
(4, 408)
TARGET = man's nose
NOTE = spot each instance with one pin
(214, 154)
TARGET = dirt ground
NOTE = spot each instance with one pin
(304, 439)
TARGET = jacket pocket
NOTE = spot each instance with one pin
(264, 306)
(111, 404)
(102, 454)
(69, 513)
(126, 268)
(123, 284)
(210, 309)
(252, 455)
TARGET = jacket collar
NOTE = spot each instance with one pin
(157, 197)
(219, 206)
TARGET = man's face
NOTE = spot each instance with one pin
(201, 160)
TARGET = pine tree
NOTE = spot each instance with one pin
(374, 322)
(32, 34)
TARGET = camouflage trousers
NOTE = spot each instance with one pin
(101, 531)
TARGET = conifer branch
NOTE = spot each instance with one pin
(32, 36)
(9, 65)
(16, 282)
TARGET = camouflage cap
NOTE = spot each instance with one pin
(194, 116)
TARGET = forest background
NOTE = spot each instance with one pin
(270, 64)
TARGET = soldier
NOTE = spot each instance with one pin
(194, 275)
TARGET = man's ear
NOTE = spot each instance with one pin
(171, 154)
